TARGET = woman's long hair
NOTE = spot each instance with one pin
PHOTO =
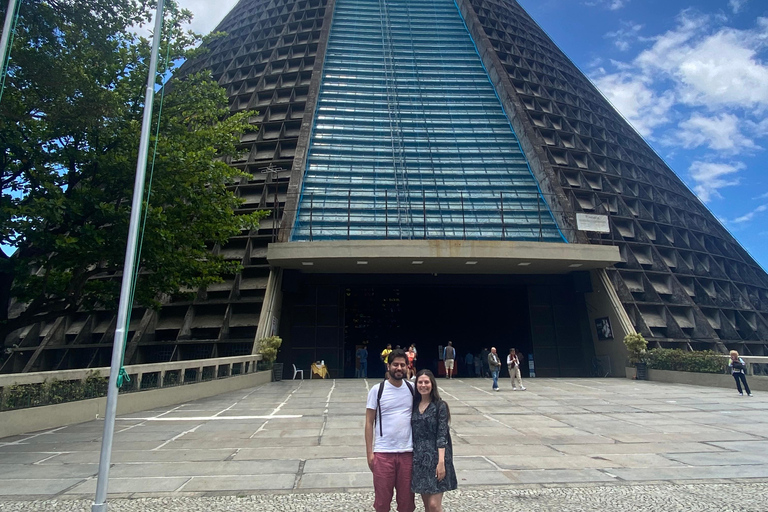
(434, 395)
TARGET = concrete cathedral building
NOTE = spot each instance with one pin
(437, 170)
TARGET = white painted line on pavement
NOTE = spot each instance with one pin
(207, 418)
(177, 436)
(286, 400)
(47, 458)
(21, 441)
(263, 425)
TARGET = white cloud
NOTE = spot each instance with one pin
(720, 133)
(749, 216)
(737, 5)
(625, 36)
(711, 177)
(207, 14)
(611, 5)
(713, 69)
(633, 96)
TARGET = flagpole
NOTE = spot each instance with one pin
(100, 503)
(6, 33)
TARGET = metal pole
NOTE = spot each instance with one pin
(424, 206)
(386, 214)
(503, 227)
(463, 219)
(311, 210)
(100, 503)
(9, 14)
(349, 211)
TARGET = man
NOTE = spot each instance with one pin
(388, 421)
(495, 365)
(384, 355)
(469, 362)
(362, 355)
(449, 355)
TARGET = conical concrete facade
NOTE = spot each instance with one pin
(363, 137)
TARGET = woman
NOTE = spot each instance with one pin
(411, 354)
(738, 370)
(433, 471)
(513, 363)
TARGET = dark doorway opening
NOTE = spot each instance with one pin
(473, 317)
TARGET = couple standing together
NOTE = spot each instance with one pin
(407, 440)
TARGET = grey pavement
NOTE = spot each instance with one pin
(300, 444)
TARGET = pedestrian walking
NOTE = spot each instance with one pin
(494, 363)
(388, 436)
(433, 471)
(478, 366)
(739, 371)
(469, 363)
(449, 356)
(513, 363)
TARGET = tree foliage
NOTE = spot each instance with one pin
(70, 122)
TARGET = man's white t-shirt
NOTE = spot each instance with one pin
(396, 407)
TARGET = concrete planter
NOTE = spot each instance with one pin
(715, 380)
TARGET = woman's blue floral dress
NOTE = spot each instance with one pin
(430, 432)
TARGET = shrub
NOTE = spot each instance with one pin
(636, 346)
(676, 359)
(53, 392)
(268, 348)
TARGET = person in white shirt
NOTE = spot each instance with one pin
(513, 363)
(388, 439)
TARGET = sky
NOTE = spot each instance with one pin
(690, 75)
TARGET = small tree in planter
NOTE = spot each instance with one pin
(268, 348)
(637, 345)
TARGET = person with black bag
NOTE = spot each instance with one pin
(433, 471)
(739, 371)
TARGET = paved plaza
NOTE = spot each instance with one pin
(564, 444)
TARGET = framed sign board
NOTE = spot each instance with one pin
(592, 222)
(604, 329)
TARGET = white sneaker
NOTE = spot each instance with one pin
(514, 389)
(497, 389)
(522, 389)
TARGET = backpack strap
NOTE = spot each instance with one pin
(378, 401)
(378, 406)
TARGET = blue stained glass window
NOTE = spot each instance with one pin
(410, 140)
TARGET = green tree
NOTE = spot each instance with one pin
(70, 120)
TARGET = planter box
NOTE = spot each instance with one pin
(712, 380)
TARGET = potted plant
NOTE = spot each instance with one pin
(268, 348)
(636, 346)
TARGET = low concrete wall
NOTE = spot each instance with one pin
(52, 416)
(712, 380)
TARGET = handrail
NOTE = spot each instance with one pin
(15, 379)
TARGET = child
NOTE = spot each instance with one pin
(738, 369)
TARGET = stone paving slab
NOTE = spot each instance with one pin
(294, 437)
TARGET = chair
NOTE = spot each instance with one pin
(295, 371)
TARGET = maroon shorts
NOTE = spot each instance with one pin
(392, 471)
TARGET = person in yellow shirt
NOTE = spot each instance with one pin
(384, 356)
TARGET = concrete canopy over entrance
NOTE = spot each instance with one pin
(440, 256)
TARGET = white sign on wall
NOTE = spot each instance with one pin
(592, 222)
